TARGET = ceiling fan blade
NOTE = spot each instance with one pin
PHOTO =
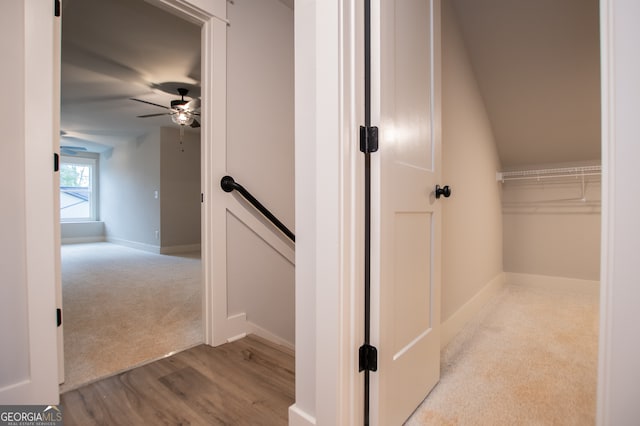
(71, 150)
(65, 151)
(193, 104)
(150, 103)
(88, 140)
(173, 87)
(154, 115)
(195, 124)
(73, 139)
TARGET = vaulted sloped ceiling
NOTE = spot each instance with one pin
(537, 64)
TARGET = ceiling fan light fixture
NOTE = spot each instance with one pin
(182, 112)
(183, 118)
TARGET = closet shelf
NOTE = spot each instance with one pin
(554, 173)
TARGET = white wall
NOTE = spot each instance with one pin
(471, 217)
(260, 150)
(129, 177)
(81, 232)
(264, 287)
(179, 189)
(549, 231)
(260, 156)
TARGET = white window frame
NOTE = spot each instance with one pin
(93, 199)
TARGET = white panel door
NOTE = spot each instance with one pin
(408, 290)
(29, 373)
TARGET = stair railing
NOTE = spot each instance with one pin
(228, 184)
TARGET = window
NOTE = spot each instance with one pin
(78, 195)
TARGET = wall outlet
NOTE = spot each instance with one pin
(157, 234)
(155, 194)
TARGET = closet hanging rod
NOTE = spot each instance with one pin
(549, 173)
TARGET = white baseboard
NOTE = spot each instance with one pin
(82, 240)
(544, 281)
(456, 322)
(238, 327)
(267, 335)
(134, 244)
(186, 248)
(82, 232)
(298, 417)
(235, 327)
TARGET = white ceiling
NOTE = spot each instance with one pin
(537, 65)
(113, 50)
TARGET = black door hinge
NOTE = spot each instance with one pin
(368, 139)
(368, 358)
(59, 317)
(56, 162)
(56, 8)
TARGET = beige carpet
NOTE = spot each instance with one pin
(528, 358)
(124, 307)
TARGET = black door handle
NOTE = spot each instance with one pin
(445, 190)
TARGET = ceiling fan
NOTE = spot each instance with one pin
(182, 112)
(71, 150)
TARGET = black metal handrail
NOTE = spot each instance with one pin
(228, 184)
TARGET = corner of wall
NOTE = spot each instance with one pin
(472, 218)
(127, 205)
(298, 417)
(457, 321)
(551, 282)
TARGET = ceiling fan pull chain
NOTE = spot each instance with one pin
(181, 136)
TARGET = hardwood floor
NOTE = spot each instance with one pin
(247, 382)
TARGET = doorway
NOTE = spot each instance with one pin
(528, 237)
(238, 299)
(317, 87)
(131, 269)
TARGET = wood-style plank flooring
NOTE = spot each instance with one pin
(247, 382)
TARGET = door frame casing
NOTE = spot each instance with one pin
(329, 96)
(619, 348)
(211, 16)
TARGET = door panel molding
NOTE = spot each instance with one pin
(40, 386)
(406, 171)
